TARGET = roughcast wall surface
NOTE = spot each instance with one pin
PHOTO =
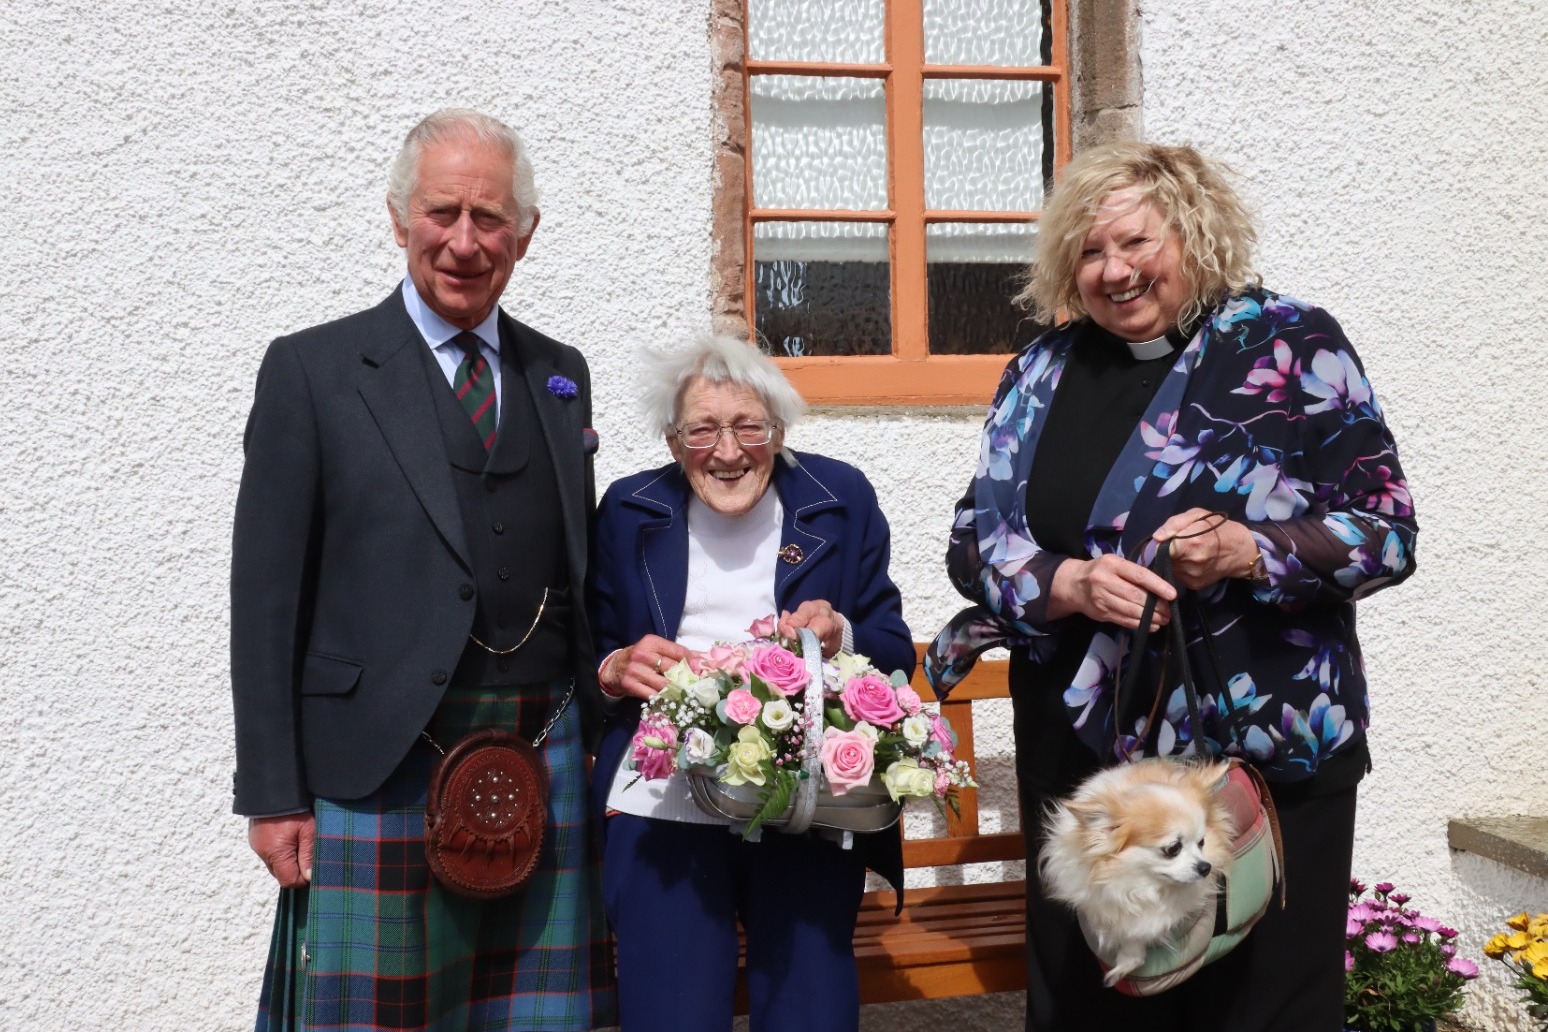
(185, 182)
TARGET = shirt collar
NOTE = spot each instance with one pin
(436, 330)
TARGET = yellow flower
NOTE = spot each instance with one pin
(1536, 953)
(1519, 921)
(1538, 927)
(1495, 947)
(1540, 970)
(1518, 940)
(745, 758)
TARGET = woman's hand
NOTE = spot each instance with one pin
(823, 621)
(639, 671)
(1207, 547)
(1109, 589)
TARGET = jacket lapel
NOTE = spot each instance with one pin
(393, 386)
(663, 547)
(561, 422)
(801, 545)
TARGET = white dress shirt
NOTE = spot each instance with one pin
(438, 333)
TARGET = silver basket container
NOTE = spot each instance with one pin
(862, 809)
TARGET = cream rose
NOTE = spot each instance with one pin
(745, 758)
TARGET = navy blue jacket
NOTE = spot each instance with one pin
(639, 570)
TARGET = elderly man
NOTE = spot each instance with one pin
(410, 543)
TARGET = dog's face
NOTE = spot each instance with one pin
(1163, 829)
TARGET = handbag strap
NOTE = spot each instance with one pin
(1175, 650)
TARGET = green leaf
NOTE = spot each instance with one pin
(778, 788)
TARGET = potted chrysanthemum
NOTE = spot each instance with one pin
(1525, 950)
(1401, 968)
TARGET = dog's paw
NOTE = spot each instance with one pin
(1130, 957)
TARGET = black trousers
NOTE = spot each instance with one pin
(1286, 976)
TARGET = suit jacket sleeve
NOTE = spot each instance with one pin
(273, 546)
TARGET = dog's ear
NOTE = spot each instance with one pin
(1095, 818)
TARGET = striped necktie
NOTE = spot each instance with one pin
(474, 384)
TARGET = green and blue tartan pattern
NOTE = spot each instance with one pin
(386, 947)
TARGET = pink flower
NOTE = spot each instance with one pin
(848, 759)
(1428, 924)
(940, 730)
(779, 668)
(909, 700)
(1462, 966)
(654, 749)
(742, 706)
(763, 627)
(1353, 929)
(1381, 942)
(1384, 887)
(1348, 961)
(871, 699)
(942, 783)
(719, 657)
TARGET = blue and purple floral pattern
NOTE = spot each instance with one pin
(1267, 416)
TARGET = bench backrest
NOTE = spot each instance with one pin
(962, 842)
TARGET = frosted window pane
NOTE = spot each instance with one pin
(985, 144)
(822, 288)
(985, 32)
(818, 142)
(974, 271)
(815, 30)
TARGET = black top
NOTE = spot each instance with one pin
(1102, 394)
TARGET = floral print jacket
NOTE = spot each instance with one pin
(1267, 416)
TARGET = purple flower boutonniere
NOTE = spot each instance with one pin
(562, 387)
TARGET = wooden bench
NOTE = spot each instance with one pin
(951, 939)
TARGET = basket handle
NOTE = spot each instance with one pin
(811, 754)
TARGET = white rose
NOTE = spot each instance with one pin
(777, 715)
(869, 730)
(680, 675)
(916, 729)
(705, 692)
(851, 665)
(698, 747)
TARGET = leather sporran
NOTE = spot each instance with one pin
(486, 814)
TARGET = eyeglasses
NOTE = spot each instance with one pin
(749, 432)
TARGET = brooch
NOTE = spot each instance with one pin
(792, 554)
(562, 387)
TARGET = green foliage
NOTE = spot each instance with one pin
(1402, 972)
(778, 789)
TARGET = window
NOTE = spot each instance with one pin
(881, 166)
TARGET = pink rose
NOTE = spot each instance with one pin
(942, 783)
(871, 698)
(763, 627)
(848, 758)
(909, 700)
(720, 657)
(940, 730)
(781, 669)
(655, 749)
(742, 706)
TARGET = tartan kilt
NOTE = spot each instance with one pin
(375, 943)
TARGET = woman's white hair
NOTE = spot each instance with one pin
(720, 359)
(462, 124)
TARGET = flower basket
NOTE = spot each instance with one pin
(866, 808)
(768, 733)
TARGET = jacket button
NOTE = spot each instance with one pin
(498, 528)
(505, 573)
(465, 592)
(439, 677)
(490, 485)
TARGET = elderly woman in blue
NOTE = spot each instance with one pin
(737, 527)
(1181, 403)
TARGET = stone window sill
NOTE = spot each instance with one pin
(1519, 842)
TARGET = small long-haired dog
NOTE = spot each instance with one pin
(1137, 851)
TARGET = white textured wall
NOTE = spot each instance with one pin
(182, 183)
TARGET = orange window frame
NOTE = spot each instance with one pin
(910, 375)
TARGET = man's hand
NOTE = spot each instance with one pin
(284, 844)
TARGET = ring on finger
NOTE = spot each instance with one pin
(658, 664)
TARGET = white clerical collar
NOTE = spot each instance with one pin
(1146, 350)
(438, 331)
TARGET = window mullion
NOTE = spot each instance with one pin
(905, 173)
